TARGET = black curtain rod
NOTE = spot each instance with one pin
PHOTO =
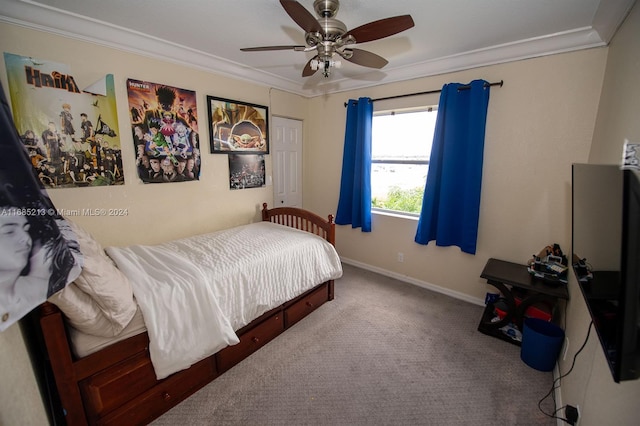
(465, 87)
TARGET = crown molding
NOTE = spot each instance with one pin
(32, 15)
(568, 41)
(39, 17)
(609, 17)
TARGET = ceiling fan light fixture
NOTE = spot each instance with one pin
(326, 36)
(325, 66)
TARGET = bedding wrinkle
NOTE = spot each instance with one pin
(177, 306)
(194, 292)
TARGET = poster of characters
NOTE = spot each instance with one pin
(164, 122)
(69, 133)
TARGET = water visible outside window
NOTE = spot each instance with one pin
(401, 147)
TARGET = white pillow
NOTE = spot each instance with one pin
(100, 301)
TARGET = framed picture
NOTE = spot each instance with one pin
(237, 127)
(246, 171)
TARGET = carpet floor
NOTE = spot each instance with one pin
(384, 352)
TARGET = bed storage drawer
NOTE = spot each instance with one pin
(305, 305)
(121, 382)
(166, 394)
(250, 341)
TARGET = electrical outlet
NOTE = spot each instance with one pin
(400, 257)
(572, 414)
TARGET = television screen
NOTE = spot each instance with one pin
(606, 259)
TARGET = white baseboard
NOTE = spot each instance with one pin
(557, 394)
(414, 281)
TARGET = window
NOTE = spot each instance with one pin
(401, 147)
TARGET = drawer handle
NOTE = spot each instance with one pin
(166, 396)
(255, 340)
(311, 305)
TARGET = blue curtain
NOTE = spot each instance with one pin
(451, 204)
(354, 205)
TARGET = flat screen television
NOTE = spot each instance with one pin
(606, 259)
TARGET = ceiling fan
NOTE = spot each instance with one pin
(328, 36)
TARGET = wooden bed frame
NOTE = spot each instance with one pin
(117, 384)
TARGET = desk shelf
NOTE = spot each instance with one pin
(487, 315)
(508, 277)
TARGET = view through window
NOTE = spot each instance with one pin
(401, 147)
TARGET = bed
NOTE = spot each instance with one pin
(115, 379)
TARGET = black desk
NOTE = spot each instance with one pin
(510, 277)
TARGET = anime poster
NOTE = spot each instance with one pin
(246, 171)
(164, 122)
(39, 254)
(69, 133)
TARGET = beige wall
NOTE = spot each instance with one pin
(590, 385)
(618, 116)
(539, 122)
(156, 212)
(20, 401)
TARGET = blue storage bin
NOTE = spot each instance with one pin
(541, 343)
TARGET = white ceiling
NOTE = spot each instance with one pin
(449, 35)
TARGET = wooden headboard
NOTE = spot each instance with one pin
(301, 219)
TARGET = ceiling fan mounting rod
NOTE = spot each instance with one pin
(326, 8)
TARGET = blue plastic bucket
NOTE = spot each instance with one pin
(541, 343)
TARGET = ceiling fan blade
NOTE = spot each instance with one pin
(265, 48)
(367, 59)
(380, 29)
(301, 16)
(307, 70)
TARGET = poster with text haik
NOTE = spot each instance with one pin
(69, 130)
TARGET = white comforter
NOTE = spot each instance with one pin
(194, 292)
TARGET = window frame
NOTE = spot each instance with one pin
(393, 111)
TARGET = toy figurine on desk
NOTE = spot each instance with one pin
(582, 269)
(550, 265)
